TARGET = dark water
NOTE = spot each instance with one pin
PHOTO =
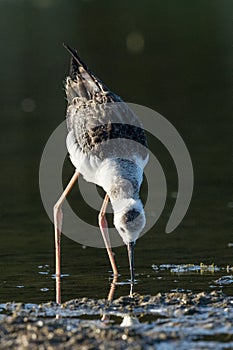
(183, 71)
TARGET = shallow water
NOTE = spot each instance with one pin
(184, 76)
(180, 66)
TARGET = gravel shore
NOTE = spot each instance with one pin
(178, 320)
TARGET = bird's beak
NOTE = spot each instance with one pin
(130, 247)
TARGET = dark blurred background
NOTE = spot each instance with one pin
(172, 56)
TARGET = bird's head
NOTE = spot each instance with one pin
(129, 219)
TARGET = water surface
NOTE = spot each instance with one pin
(182, 71)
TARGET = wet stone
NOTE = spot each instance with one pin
(166, 320)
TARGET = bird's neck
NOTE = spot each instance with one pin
(123, 189)
(120, 181)
(122, 196)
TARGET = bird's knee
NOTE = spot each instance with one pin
(101, 218)
(55, 208)
(57, 211)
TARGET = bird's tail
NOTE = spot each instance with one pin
(82, 82)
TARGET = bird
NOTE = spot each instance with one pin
(107, 145)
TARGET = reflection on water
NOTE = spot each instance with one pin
(174, 58)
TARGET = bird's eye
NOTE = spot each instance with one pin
(131, 215)
(122, 229)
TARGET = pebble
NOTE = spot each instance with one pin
(165, 319)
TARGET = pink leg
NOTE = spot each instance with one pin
(104, 230)
(57, 214)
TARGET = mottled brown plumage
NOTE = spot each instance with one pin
(96, 116)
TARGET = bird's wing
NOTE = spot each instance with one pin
(85, 84)
(96, 116)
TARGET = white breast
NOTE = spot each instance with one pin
(86, 164)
